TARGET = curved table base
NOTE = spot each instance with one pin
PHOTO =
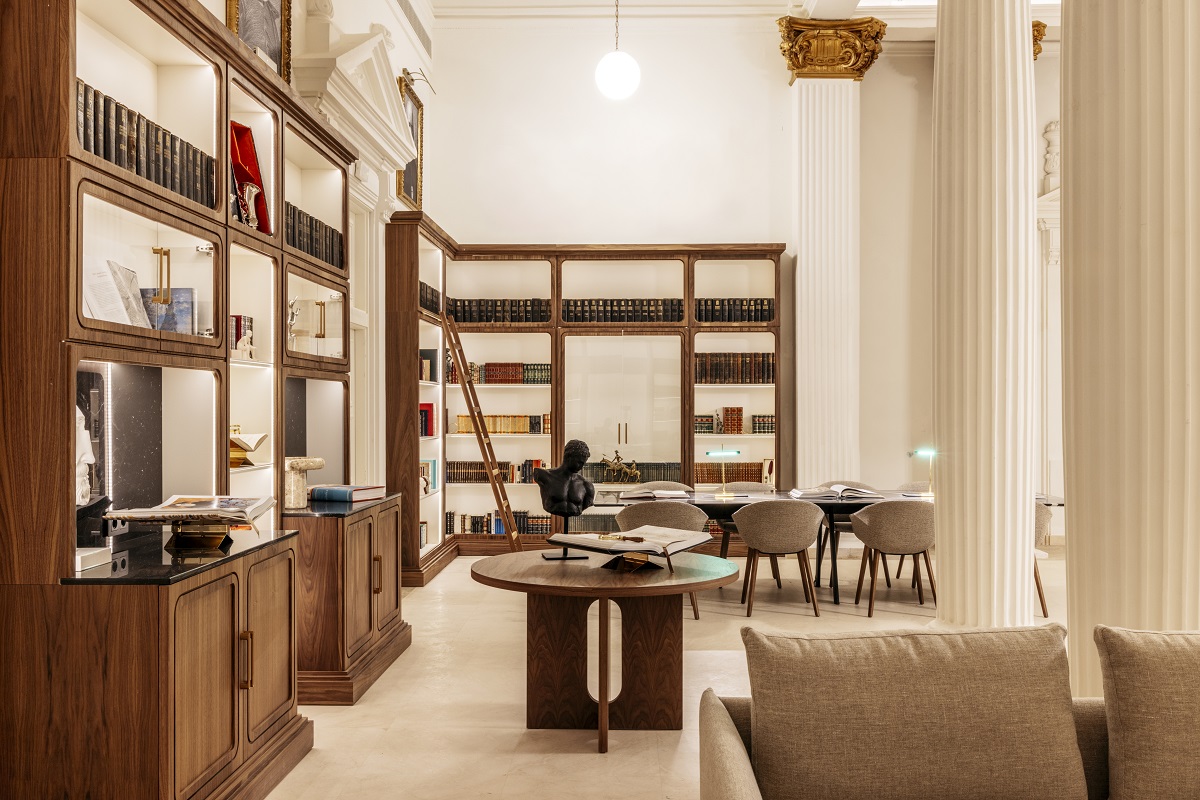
(651, 695)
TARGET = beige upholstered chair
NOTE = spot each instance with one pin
(910, 487)
(842, 523)
(728, 527)
(778, 528)
(1041, 537)
(896, 527)
(665, 514)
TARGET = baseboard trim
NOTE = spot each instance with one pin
(263, 771)
(345, 688)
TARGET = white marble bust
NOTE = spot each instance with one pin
(84, 458)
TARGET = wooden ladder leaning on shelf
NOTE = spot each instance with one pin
(481, 433)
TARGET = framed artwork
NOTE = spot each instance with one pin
(409, 179)
(266, 26)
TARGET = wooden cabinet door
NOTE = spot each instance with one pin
(359, 575)
(205, 636)
(387, 551)
(270, 643)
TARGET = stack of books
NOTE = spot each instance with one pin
(474, 471)
(735, 309)
(710, 471)
(650, 471)
(425, 419)
(762, 423)
(310, 235)
(730, 368)
(731, 420)
(429, 298)
(637, 309)
(705, 423)
(132, 141)
(507, 423)
(535, 309)
(427, 359)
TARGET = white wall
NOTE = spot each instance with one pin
(521, 146)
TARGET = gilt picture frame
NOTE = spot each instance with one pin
(410, 178)
(266, 27)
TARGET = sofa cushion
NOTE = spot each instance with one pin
(1152, 700)
(914, 714)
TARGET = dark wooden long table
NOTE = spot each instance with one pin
(558, 596)
(723, 508)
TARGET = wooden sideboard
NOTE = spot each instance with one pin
(172, 680)
(348, 597)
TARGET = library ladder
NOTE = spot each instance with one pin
(481, 432)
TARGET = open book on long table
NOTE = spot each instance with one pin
(650, 539)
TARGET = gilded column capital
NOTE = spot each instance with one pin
(830, 48)
(1039, 33)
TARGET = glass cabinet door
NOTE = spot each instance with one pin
(145, 275)
(623, 396)
(316, 319)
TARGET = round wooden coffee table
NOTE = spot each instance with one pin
(558, 596)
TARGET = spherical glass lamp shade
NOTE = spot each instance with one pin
(618, 75)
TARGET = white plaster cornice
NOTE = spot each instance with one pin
(354, 84)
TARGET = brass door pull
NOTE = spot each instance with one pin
(163, 297)
(379, 563)
(248, 638)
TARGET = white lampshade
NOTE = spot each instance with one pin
(618, 75)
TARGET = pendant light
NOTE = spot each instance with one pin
(617, 74)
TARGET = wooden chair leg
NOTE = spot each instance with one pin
(801, 558)
(1037, 581)
(862, 570)
(932, 582)
(753, 580)
(810, 592)
(724, 544)
(874, 575)
(695, 605)
(920, 583)
(886, 575)
(775, 570)
(899, 567)
(751, 558)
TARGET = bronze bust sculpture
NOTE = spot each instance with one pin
(566, 493)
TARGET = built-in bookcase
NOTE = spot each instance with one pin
(619, 340)
(127, 283)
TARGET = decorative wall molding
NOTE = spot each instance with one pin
(1039, 33)
(818, 48)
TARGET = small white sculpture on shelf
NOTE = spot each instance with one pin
(1053, 165)
(84, 458)
(245, 346)
(295, 480)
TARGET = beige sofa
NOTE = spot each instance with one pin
(969, 714)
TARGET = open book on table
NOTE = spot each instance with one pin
(650, 539)
(654, 494)
(838, 491)
(199, 508)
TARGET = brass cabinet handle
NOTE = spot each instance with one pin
(321, 333)
(248, 638)
(626, 433)
(163, 297)
(379, 563)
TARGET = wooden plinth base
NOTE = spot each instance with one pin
(263, 771)
(344, 688)
(435, 562)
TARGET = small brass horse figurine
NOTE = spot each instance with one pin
(619, 471)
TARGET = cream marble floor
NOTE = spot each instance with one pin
(447, 720)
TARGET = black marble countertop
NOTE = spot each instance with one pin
(150, 562)
(323, 508)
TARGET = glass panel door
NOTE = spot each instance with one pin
(623, 399)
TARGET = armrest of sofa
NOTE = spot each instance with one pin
(725, 769)
(1091, 730)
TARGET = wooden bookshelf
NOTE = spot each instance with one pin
(557, 273)
(162, 395)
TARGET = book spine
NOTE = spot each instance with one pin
(121, 151)
(336, 494)
(110, 129)
(176, 165)
(81, 116)
(89, 119)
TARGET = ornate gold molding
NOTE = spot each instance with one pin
(831, 48)
(1039, 33)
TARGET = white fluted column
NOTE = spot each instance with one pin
(1131, 319)
(827, 60)
(985, 307)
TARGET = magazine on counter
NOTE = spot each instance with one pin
(203, 508)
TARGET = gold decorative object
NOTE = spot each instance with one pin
(410, 178)
(619, 471)
(837, 48)
(1039, 33)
